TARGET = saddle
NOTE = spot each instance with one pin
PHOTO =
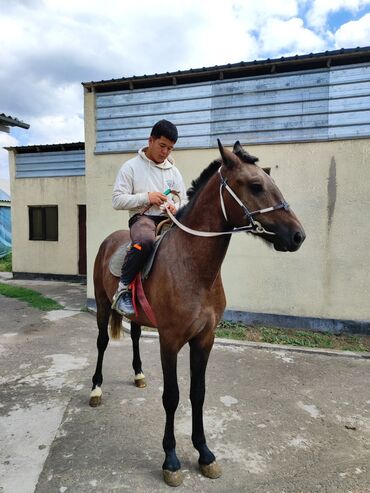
(116, 261)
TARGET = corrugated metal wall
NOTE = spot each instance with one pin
(50, 164)
(325, 104)
(5, 230)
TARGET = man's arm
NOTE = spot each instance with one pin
(124, 196)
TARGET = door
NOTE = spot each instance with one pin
(82, 240)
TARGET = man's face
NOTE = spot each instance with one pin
(159, 149)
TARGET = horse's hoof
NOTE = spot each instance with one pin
(140, 381)
(173, 478)
(95, 397)
(212, 470)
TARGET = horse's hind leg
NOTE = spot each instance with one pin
(136, 362)
(102, 318)
(200, 348)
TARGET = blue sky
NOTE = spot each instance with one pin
(48, 47)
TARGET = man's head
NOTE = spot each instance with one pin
(162, 140)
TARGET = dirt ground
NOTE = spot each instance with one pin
(278, 420)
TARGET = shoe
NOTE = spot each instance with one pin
(122, 301)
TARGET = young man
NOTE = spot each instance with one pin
(139, 188)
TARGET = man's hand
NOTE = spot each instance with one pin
(157, 198)
(171, 208)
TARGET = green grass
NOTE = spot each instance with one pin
(6, 263)
(293, 337)
(33, 298)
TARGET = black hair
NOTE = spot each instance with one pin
(164, 128)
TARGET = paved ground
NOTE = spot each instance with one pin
(279, 421)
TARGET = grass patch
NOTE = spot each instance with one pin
(239, 331)
(33, 298)
(6, 263)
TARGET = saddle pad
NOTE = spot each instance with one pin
(116, 261)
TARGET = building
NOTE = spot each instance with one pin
(49, 211)
(307, 118)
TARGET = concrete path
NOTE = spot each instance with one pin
(278, 421)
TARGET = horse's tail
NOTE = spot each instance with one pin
(115, 324)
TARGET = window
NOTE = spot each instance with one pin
(43, 221)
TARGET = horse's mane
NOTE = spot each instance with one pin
(198, 184)
(244, 156)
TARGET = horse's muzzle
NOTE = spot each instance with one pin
(291, 243)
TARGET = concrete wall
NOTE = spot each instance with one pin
(47, 257)
(326, 184)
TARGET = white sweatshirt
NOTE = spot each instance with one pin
(139, 176)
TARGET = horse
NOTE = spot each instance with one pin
(185, 288)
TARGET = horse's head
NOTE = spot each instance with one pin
(251, 196)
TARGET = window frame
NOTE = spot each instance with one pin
(45, 229)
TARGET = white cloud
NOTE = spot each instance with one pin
(6, 140)
(354, 33)
(320, 9)
(48, 47)
(289, 37)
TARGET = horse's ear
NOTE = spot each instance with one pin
(237, 147)
(226, 155)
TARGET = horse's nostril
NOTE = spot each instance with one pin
(298, 238)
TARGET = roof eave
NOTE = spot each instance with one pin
(217, 72)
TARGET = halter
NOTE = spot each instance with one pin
(254, 227)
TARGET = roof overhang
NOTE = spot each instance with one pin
(235, 70)
(9, 121)
(69, 146)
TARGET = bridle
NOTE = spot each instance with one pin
(254, 227)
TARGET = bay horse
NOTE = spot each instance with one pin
(185, 288)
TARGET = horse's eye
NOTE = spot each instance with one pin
(256, 188)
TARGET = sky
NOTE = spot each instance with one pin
(48, 47)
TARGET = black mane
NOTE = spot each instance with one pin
(198, 184)
(202, 179)
(243, 155)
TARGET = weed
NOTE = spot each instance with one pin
(294, 337)
(33, 298)
(6, 263)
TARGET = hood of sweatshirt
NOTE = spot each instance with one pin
(167, 163)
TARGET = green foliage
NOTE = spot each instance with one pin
(301, 338)
(36, 300)
(6, 263)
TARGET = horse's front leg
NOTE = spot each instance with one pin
(136, 361)
(172, 473)
(200, 348)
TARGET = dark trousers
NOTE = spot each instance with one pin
(142, 233)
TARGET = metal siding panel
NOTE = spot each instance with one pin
(49, 174)
(154, 108)
(147, 120)
(134, 145)
(172, 93)
(49, 164)
(299, 106)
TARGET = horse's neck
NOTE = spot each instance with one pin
(204, 256)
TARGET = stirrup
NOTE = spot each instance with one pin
(122, 302)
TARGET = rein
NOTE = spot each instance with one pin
(254, 227)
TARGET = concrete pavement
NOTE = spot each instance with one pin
(278, 421)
